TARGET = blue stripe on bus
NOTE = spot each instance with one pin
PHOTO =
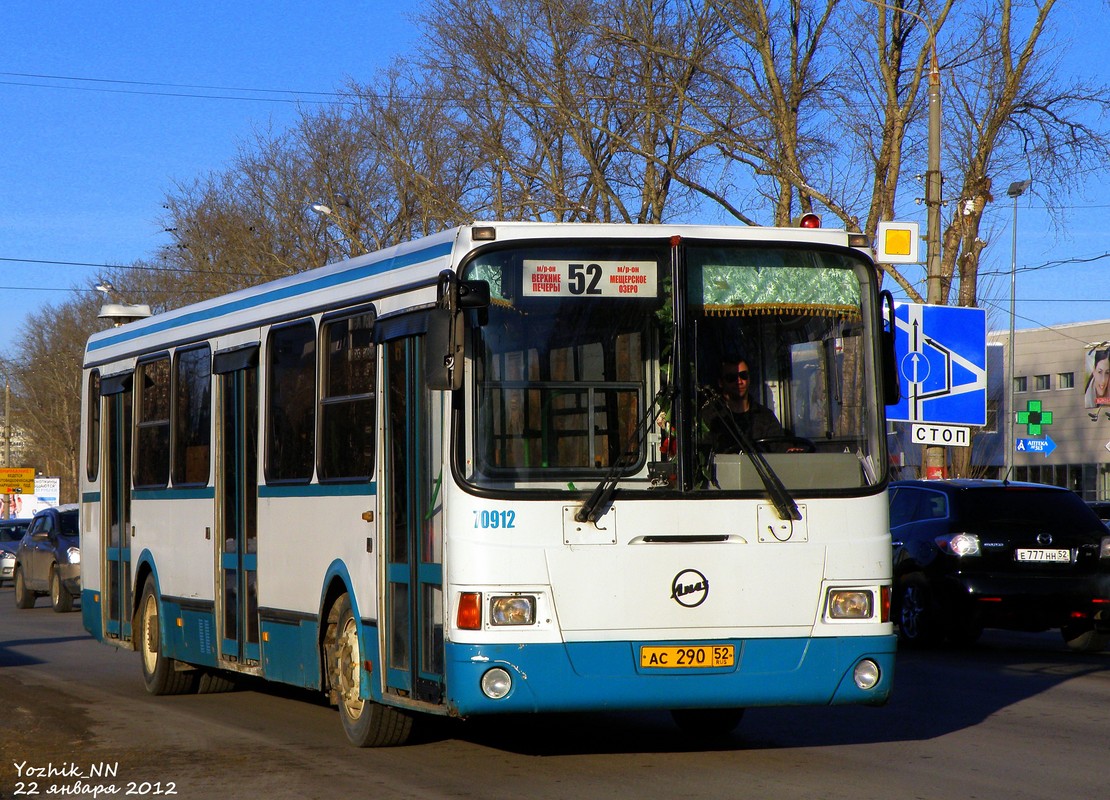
(587, 676)
(329, 281)
(363, 488)
(190, 493)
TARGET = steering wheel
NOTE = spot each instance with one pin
(793, 444)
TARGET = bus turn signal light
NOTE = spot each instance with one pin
(468, 616)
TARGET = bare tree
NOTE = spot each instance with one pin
(47, 381)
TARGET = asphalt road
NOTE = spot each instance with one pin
(1017, 716)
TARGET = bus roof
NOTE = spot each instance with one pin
(414, 264)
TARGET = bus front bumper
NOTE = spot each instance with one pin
(609, 676)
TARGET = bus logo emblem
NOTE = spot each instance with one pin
(689, 588)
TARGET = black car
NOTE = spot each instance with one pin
(972, 554)
(48, 559)
(1100, 507)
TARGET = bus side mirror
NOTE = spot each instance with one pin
(443, 343)
(443, 350)
(892, 390)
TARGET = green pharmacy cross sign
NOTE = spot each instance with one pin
(1034, 418)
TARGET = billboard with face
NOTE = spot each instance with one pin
(1098, 378)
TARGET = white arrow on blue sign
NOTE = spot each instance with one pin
(942, 362)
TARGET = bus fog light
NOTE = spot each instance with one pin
(496, 683)
(851, 604)
(866, 674)
(517, 609)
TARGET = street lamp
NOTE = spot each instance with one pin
(1016, 190)
(119, 313)
(349, 231)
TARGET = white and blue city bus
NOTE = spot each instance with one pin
(472, 475)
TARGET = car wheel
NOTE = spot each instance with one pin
(24, 597)
(366, 723)
(707, 723)
(160, 674)
(918, 612)
(1084, 637)
(60, 598)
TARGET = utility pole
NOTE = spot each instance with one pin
(6, 513)
(936, 456)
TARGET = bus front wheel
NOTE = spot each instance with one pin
(160, 674)
(366, 723)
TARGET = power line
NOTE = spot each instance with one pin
(160, 89)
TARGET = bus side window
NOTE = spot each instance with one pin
(291, 402)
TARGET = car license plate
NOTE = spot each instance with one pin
(687, 656)
(1054, 555)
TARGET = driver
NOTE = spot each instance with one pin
(738, 410)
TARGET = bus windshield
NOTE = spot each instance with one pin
(668, 366)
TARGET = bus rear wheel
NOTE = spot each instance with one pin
(366, 723)
(160, 674)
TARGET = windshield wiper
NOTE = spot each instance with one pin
(594, 507)
(779, 495)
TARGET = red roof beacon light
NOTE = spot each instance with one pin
(809, 221)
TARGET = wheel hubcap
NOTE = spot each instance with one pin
(348, 660)
(911, 612)
(150, 634)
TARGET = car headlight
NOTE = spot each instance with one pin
(960, 544)
(1104, 550)
(74, 555)
(516, 609)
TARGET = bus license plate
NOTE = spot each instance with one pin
(1055, 556)
(690, 656)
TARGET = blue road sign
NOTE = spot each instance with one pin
(1045, 445)
(941, 354)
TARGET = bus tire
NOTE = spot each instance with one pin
(60, 598)
(707, 723)
(366, 723)
(160, 674)
(24, 597)
(214, 681)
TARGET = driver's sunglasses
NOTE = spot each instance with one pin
(731, 376)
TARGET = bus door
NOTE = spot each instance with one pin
(410, 481)
(116, 506)
(237, 512)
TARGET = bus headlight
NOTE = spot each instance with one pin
(851, 604)
(516, 609)
(496, 683)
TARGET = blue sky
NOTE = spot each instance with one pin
(86, 164)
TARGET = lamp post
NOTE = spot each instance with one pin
(1016, 190)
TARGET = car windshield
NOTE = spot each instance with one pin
(10, 533)
(1016, 505)
(68, 523)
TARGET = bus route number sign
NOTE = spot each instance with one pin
(553, 278)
